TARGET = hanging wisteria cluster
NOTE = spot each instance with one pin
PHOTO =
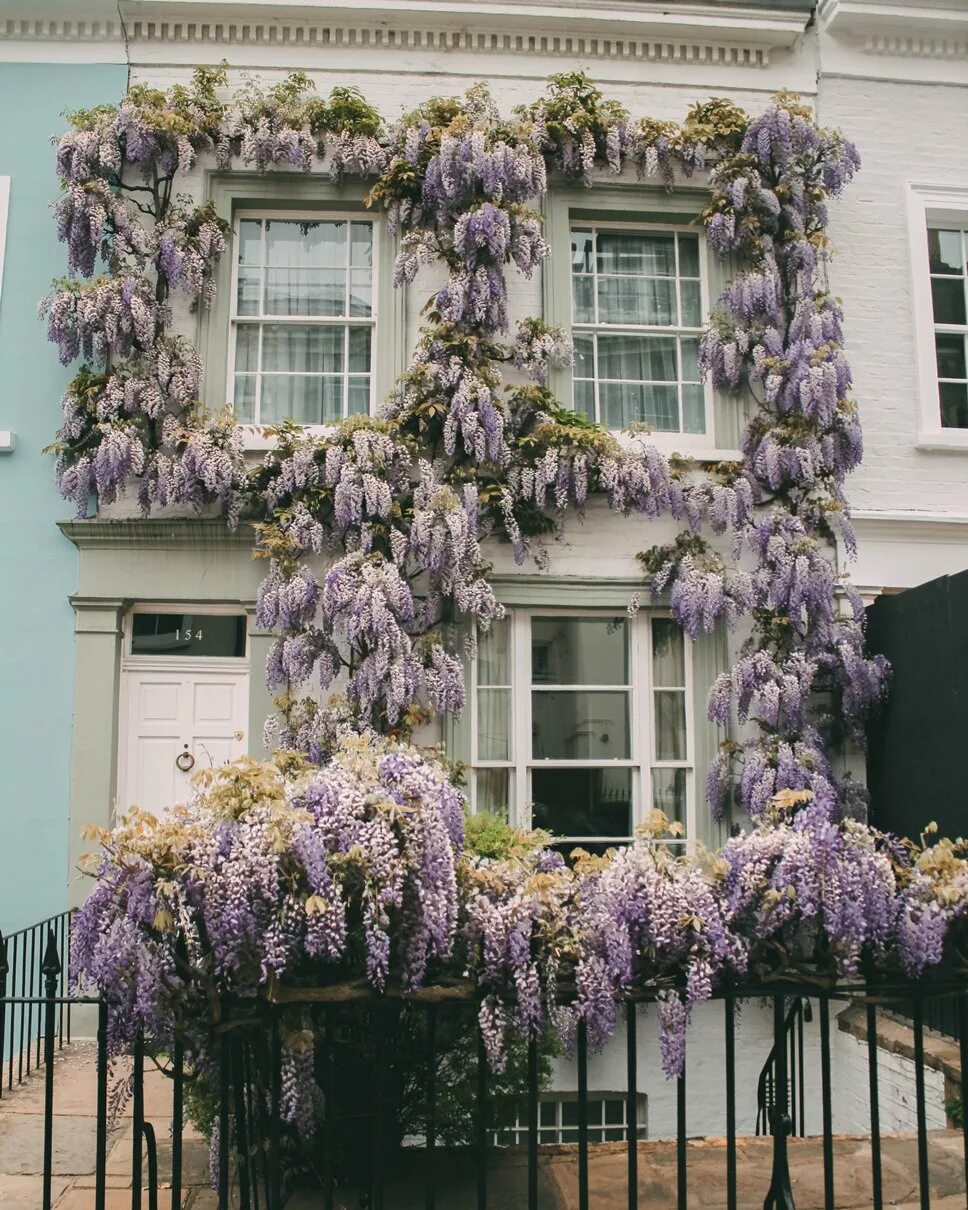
(284, 874)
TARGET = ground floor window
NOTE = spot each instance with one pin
(558, 1119)
(581, 722)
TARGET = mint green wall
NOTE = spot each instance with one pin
(38, 565)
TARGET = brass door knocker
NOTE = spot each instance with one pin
(185, 761)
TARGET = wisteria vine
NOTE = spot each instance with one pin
(473, 446)
(464, 451)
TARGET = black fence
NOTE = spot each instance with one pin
(23, 987)
(407, 1099)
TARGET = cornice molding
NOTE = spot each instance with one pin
(697, 33)
(926, 29)
(900, 527)
(93, 33)
(155, 534)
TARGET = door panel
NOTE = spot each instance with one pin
(204, 714)
(156, 774)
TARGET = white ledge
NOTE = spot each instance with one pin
(943, 440)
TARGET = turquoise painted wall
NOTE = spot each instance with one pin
(38, 566)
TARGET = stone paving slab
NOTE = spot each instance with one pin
(26, 1192)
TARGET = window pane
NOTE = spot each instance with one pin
(305, 244)
(304, 398)
(584, 395)
(693, 409)
(582, 802)
(637, 300)
(688, 255)
(691, 304)
(670, 725)
(951, 355)
(360, 340)
(493, 724)
(668, 653)
(247, 293)
(579, 651)
(614, 1113)
(493, 787)
(635, 252)
(361, 292)
(582, 245)
(584, 295)
(625, 403)
(639, 358)
(948, 294)
(669, 793)
(580, 725)
(305, 292)
(250, 241)
(247, 347)
(944, 251)
(299, 348)
(689, 359)
(358, 397)
(361, 244)
(954, 405)
(244, 404)
(584, 355)
(205, 635)
(493, 654)
(548, 1113)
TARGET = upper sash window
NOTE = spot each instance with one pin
(303, 319)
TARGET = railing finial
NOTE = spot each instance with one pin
(51, 965)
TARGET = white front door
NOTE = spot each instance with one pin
(172, 716)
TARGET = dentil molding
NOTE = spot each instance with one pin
(689, 32)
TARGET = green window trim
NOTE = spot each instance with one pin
(630, 201)
(232, 192)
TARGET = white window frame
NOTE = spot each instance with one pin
(517, 1133)
(643, 758)
(253, 430)
(931, 205)
(668, 442)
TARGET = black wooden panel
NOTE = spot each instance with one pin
(918, 744)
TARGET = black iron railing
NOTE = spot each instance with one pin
(22, 988)
(798, 1015)
(385, 1068)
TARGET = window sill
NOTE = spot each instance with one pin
(255, 439)
(686, 445)
(944, 440)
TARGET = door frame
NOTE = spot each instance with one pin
(130, 664)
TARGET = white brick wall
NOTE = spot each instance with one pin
(706, 1076)
(905, 132)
